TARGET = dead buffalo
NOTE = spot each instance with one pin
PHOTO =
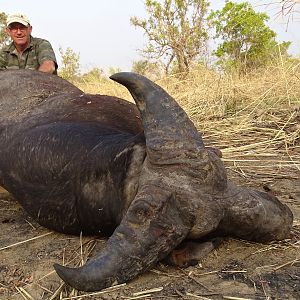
(101, 165)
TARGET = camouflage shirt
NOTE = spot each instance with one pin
(37, 52)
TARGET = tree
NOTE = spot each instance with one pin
(247, 42)
(95, 74)
(176, 31)
(286, 9)
(114, 70)
(70, 64)
(152, 70)
(4, 38)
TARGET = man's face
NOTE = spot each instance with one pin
(19, 33)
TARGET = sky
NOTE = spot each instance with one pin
(101, 33)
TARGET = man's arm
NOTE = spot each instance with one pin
(47, 66)
(46, 58)
(3, 61)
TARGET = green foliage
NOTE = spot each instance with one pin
(247, 42)
(4, 38)
(95, 74)
(176, 31)
(70, 68)
(113, 70)
(150, 69)
(140, 67)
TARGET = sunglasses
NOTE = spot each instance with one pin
(15, 28)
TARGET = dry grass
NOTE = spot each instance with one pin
(254, 119)
(103, 86)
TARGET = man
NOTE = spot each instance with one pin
(25, 51)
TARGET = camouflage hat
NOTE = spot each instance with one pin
(18, 18)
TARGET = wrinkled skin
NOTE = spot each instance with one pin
(141, 174)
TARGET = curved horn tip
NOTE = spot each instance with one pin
(123, 77)
(119, 76)
(64, 273)
(69, 276)
(79, 279)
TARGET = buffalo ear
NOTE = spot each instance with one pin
(189, 253)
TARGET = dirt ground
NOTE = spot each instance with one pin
(236, 270)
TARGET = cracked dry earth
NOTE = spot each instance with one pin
(236, 270)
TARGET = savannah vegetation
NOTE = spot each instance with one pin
(243, 96)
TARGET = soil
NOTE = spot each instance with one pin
(235, 270)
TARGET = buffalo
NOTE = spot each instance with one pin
(140, 174)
